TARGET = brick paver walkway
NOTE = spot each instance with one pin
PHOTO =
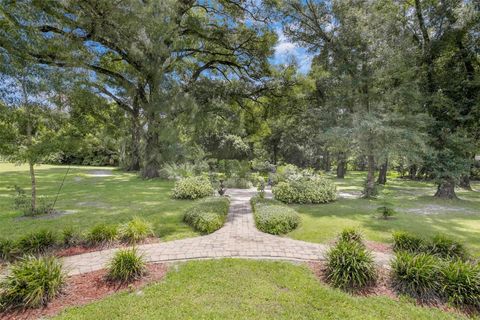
(239, 238)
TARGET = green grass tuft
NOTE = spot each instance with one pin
(32, 282)
(126, 265)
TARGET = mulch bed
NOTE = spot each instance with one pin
(379, 247)
(383, 286)
(86, 288)
(72, 251)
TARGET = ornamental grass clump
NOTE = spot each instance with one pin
(417, 275)
(126, 265)
(446, 248)
(8, 249)
(460, 283)
(102, 234)
(135, 230)
(351, 235)
(192, 188)
(404, 241)
(32, 282)
(71, 237)
(350, 266)
(37, 242)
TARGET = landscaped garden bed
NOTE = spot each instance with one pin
(86, 288)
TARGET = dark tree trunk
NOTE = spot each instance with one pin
(152, 149)
(135, 158)
(370, 188)
(446, 190)
(412, 172)
(275, 152)
(341, 166)
(382, 174)
(465, 182)
(326, 162)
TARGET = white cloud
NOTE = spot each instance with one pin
(286, 51)
(284, 46)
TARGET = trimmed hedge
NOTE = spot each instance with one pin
(207, 215)
(237, 183)
(273, 217)
(192, 188)
(314, 189)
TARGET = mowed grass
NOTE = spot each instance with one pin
(246, 289)
(90, 196)
(418, 212)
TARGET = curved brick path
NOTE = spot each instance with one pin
(238, 238)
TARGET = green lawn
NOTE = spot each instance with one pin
(267, 290)
(91, 199)
(418, 212)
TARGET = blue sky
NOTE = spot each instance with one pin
(287, 51)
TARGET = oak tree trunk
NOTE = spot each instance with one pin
(152, 149)
(326, 162)
(135, 159)
(370, 188)
(382, 174)
(446, 189)
(465, 182)
(412, 172)
(341, 166)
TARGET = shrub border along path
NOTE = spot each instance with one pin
(239, 238)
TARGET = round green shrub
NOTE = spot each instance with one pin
(404, 241)
(126, 265)
(460, 283)
(32, 282)
(350, 266)
(273, 217)
(416, 275)
(102, 234)
(314, 189)
(135, 230)
(207, 215)
(37, 242)
(208, 222)
(192, 188)
(446, 248)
